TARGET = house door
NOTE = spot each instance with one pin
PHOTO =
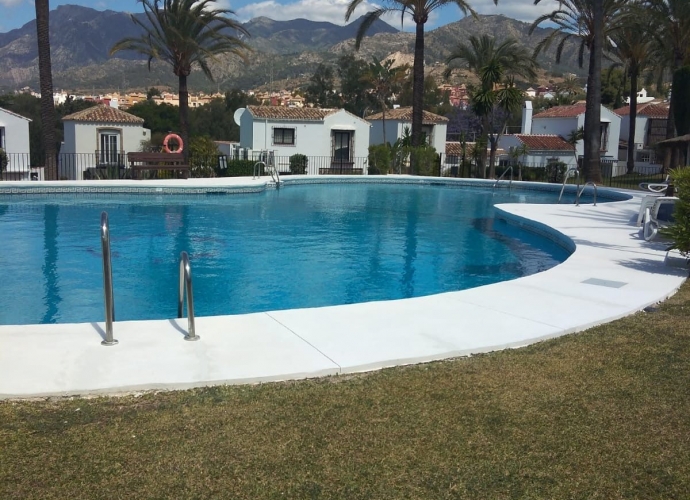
(110, 150)
(342, 150)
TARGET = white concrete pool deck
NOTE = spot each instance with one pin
(612, 273)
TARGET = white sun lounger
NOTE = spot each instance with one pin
(658, 216)
(658, 187)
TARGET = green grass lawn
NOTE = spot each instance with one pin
(603, 414)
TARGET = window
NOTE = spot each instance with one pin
(604, 127)
(643, 156)
(109, 144)
(427, 133)
(2, 137)
(284, 136)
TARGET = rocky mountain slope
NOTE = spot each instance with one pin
(281, 50)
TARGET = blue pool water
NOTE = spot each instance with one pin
(300, 246)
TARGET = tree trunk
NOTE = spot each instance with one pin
(493, 140)
(633, 117)
(48, 115)
(184, 114)
(670, 122)
(383, 121)
(483, 142)
(418, 87)
(592, 139)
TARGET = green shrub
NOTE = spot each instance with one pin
(379, 159)
(679, 233)
(298, 164)
(424, 160)
(239, 168)
(3, 160)
(203, 157)
(555, 172)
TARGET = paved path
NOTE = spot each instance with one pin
(612, 273)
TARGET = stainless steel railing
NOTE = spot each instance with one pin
(510, 184)
(257, 170)
(579, 193)
(107, 281)
(186, 284)
(568, 173)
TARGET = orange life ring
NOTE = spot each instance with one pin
(167, 140)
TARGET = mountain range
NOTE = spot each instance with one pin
(81, 39)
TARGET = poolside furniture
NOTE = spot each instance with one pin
(158, 161)
(647, 202)
(658, 187)
(658, 216)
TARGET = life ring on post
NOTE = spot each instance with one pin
(167, 139)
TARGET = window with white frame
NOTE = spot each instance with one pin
(283, 136)
(109, 146)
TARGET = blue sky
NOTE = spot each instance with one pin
(15, 13)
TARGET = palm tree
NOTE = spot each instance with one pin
(419, 10)
(517, 154)
(592, 22)
(384, 79)
(185, 33)
(670, 20)
(48, 115)
(633, 51)
(570, 86)
(573, 138)
(491, 63)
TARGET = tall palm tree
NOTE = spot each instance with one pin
(633, 51)
(492, 62)
(419, 10)
(45, 72)
(518, 154)
(185, 33)
(670, 20)
(384, 80)
(592, 22)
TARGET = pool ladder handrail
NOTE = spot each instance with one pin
(274, 170)
(510, 183)
(257, 171)
(107, 282)
(589, 183)
(568, 173)
(186, 285)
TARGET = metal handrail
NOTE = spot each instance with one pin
(577, 198)
(510, 184)
(276, 179)
(257, 171)
(186, 283)
(571, 171)
(107, 281)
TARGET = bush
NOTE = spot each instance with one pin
(4, 160)
(379, 159)
(239, 168)
(424, 160)
(203, 157)
(679, 233)
(298, 164)
(555, 172)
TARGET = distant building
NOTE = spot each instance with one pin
(642, 97)
(397, 120)
(650, 128)
(14, 140)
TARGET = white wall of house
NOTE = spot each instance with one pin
(311, 138)
(14, 139)
(564, 126)
(539, 158)
(641, 123)
(395, 129)
(82, 140)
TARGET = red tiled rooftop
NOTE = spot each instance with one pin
(405, 115)
(562, 111)
(650, 110)
(544, 142)
(103, 114)
(285, 113)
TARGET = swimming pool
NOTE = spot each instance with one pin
(300, 246)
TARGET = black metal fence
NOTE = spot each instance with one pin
(113, 165)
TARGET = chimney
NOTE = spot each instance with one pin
(526, 118)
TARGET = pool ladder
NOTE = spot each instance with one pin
(572, 171)
(275, 175)
(500, 178)
(185, 286)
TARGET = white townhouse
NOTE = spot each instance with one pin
(563, 120)
(543, 150)
(99, 137)
(14, 140)
(650, 128)
(333, 139)
(397, 120)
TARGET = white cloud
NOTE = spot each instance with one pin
(10, 3)
(517, 9)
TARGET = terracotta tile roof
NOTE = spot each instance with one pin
(544, 142)
(650, 110)
(405, 115)
(285, 113)
(454, 148)
(562, 111)
(103, 114)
